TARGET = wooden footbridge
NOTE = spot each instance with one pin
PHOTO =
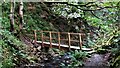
(58, 39)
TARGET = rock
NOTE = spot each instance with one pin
(56, 55)
(54, 62)
(106, 57)
(58, 60)
(68, 62)
(59, 57)
(66, 57)
(33, 53)
(45, 59)
(42, 65)
(39, 59)
(38, 53)
(34, 50)
(48, 65)
(51, 52)
(54, 58)
(31, 47)
(39, 48)
(63, 61)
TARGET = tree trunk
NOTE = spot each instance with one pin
(21, 15)
(12, 17)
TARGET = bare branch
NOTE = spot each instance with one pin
(95, 15)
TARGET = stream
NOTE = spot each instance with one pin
(95, 61)
(49, 60)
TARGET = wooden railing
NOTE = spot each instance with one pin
(59, 39)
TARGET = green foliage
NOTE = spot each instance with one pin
(8, 37)
(11, 47)
(106, 19)
(116, 63)
(101, 51)
(77, 58)
(8, 62)
(5, 23)
(33, 19)
(36, 23)
(79, 54)
(5, 16)
(116, 54)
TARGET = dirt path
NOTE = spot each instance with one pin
(97, 60)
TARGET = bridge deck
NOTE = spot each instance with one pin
(65, 46)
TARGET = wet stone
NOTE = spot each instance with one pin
(39, 48)
(45, 58)
(59, 57)
(67, 57)
(49, 65)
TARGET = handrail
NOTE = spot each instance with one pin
(60, 32)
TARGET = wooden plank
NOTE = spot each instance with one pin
(54, 38)
(49, 38)
(46, 31)
(51, 32)
(65, 46)
(60, 32)
(55, 44)
(74, 40)
(45, 37)
(64, 39)
(77, 33)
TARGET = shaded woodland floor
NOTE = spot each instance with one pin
(49, 59)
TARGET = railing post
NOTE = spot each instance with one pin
(42, 38)
(35, 36)
(59, 39)
(50, 39)
(69, 43)
(80, 41)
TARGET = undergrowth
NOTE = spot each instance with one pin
(11, 50)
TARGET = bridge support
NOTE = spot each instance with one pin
(69, 43)
(42, 38)
(80, 41)
(59, 39)
(35, 36)
(50, 39)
